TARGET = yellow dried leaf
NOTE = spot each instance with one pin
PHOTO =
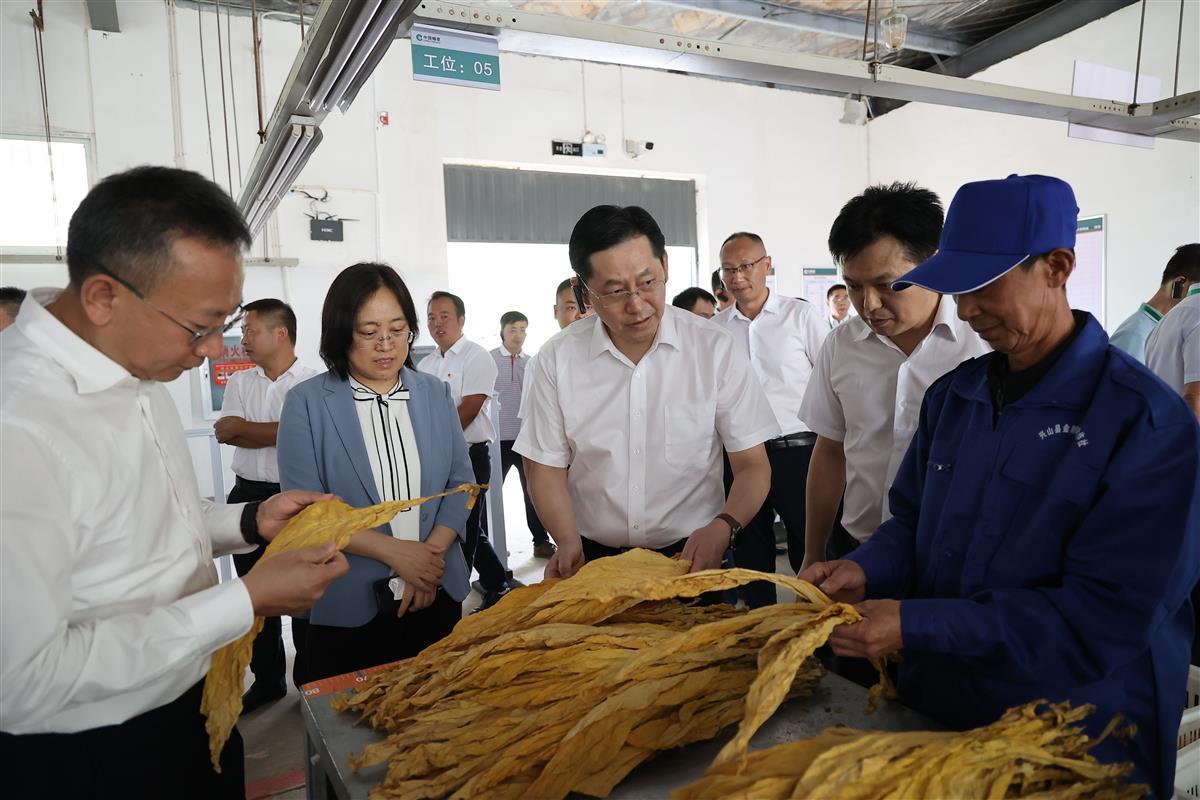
(1033, 750)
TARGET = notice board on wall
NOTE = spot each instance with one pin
(1085, 288)
(215, 373)
(816, 283)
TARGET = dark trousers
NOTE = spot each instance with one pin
(161, 753)
(336, 651)
(268, 662)
(756, 550)
(840, 543)
(593, 550)
(508, 459)
(478, 548)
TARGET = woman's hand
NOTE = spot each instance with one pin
(420, 564)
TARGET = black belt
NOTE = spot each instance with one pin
(240, 481)
(804, 439)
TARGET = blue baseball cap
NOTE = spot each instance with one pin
(991, 227)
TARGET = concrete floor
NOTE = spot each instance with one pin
(274, 734)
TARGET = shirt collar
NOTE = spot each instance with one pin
(1194, 290)
(1070, 382)
(91, 370)
(362, 391)
(294, 369)
(668, 334)
(944, 319)
(770, 306)
(458, 346)
(859, 328)
(1151, 312)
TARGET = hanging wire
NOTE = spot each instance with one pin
(224, 108)
(212, 161)
(233, 92)
(1178, 45)
(875, 46)
(866, 28)
(39, 26)
(1137, 70)
(257, 47)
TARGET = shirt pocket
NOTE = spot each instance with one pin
(1043, 499)
(689, 433)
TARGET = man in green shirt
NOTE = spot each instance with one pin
(1182, 271)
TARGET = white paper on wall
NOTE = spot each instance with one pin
(1085, 288)
(1109, 83)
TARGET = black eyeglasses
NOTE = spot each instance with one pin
(729, 271)
(197, 336)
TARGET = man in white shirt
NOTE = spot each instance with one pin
(629, 411)
(782, 336)
(249, 422)
(838, 300)
(1181, 274)
(1173, 354)
(512, 367)
(566, 311)
(109, 600)
(697, 301)
(864, 398)
(471, 373)
(1173, 350)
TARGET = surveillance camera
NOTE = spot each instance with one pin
(635, 148)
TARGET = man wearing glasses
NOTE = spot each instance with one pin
(629, 411)
(781, 336)
(109, 600)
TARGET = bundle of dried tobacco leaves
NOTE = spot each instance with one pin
(568, 685)
(1032, 751)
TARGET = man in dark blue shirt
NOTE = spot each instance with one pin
(1046, 519)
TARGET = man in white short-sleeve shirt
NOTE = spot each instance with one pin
(781, 336)
(566, 311)
(249, 422)
(864, 399)
(629, 410)
(471, 372)
(1173, 350)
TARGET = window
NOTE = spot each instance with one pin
(31, 221)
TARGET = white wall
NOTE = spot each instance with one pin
(1151, 197)
(775, 162)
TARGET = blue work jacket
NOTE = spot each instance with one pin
(1049, 552)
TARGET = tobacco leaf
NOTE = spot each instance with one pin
(1035, 750)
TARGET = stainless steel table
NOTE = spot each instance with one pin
(331, 737)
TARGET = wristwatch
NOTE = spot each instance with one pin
(249, 524)
(735, 530)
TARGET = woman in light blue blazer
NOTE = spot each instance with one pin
(373, 429)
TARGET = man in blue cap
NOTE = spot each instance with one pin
(1046, 519)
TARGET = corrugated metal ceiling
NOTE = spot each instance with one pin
(790, 25)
